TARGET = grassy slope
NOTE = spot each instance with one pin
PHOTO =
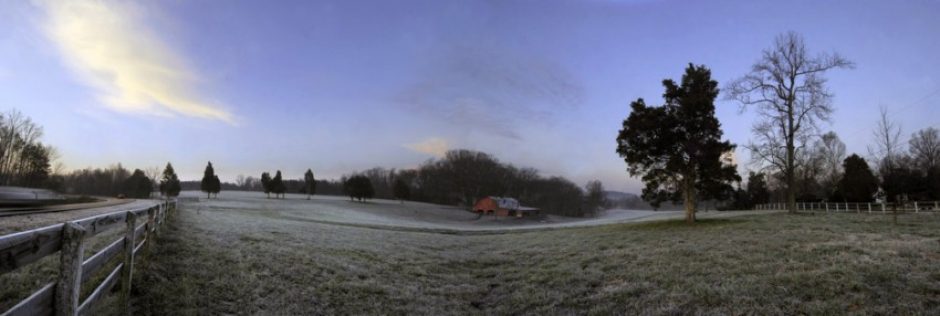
(239, 262)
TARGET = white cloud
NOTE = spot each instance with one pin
(434, 146)
(133, 70)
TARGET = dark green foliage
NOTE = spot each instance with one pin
(170, 184)
(35, 166)
(901, 181)
(401, 189)
(676, 148)
(757, 191)
(210, 182)
(138, 185)
(216, 185)
(310, 184)
(359, 187)
(858, 183)
(266, 183)
(277, 185)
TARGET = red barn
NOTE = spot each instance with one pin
(501, 206)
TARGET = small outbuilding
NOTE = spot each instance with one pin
(503, 206)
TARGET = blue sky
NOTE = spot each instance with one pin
(344, 85)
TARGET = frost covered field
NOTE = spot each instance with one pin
(241, 255)
(410, 216)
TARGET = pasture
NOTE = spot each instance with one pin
(244, 254)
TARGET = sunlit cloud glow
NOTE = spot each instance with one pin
(434, 146)
(133, 70)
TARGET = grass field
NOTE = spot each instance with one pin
(218, 260)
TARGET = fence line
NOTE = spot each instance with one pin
(62, 297)
(848, 207)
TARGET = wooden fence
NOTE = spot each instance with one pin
(62, 297)
(909, 207)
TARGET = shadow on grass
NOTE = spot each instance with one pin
(681, 223)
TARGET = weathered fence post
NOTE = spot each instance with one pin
(69, 285)
(128, 271)
(827, 207)
(882, 207)
(915, 207)
(869, 208)
(858, 207)
(151, 227)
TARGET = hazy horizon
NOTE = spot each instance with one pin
(344, 86)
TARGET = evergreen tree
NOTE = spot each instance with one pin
(277, 185)
(216, 185)
(208, 180)
(310, 184)
(858, 183)
(170, 184)
(676, 148)
(138, 186)
(401, 190)
(266, 183)
(757, 192)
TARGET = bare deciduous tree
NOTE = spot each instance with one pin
(832, 153)
(925, 148)
(787, 88)
(153, 173)
(887, 136)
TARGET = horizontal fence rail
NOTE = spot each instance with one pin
(62, 297)
(850, 207)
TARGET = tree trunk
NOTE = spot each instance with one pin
(789, 173)
(688, 192)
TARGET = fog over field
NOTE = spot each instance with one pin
(469, 157)
(396, 215)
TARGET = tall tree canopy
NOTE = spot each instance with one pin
(359, 187)
(831, 151)
(310, 184)
(676, 148)
(858, 183)
(594, 199)
(788, 88)
(757, 191)
(277, 185)
(138, 185)
(170, 184)
(208, 181)
(401, 189)
(925, 148)
(266, 183)
(24, 160)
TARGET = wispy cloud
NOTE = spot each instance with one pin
(134, 71)
(434, 146)
(491, 90)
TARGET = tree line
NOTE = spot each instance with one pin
(461, 177)
(676, 149)
(24, 160)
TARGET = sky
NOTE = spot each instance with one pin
(339, 86)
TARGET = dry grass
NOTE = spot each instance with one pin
(221, 261)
